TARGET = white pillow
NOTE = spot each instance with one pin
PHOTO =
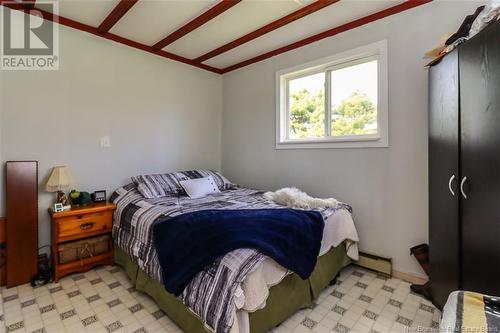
(199, 187)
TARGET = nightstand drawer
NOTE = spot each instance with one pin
(85, 223)
(77, 225)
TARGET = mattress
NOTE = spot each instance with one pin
(135, 216)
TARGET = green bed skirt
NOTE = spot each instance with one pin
(284, 299)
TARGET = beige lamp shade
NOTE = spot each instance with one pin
(60, 179)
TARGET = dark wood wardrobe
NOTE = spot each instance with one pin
(464, 168)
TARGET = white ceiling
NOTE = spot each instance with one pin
(324, 19)
(89, 12)
(243, 18)
(148, 21)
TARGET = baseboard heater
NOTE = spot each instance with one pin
(382, 265)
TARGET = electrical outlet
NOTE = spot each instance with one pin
(105, 141)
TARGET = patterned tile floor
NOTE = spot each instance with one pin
(364, 302)
(103, 300)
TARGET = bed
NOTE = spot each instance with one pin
(263, 297)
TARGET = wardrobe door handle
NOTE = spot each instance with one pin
(449, 184)
(462, 187)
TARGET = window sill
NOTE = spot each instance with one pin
(338, 143)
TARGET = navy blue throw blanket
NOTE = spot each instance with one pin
(187, 243)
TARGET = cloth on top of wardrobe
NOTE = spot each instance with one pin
(465, 27)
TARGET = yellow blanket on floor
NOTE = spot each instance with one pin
(471, 312)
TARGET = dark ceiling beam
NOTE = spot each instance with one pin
(213, 12)
(92, 30)
(331, 32)
(300, 13)
(116, 14)
(30, 4)
(27, 4)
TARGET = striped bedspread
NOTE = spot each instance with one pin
(471, 312)
(210, 295)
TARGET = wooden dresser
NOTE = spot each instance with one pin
(77, 225)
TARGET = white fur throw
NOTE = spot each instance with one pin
(293, 197)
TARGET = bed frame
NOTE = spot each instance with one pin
(285, 298)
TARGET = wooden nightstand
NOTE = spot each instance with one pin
(78, 224)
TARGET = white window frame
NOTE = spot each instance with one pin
(376, 51)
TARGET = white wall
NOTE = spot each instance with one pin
(161, 115)
(387, 187)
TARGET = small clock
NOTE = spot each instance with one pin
(99, 196)
(58, 207)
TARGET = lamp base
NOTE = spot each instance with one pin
(62, 198)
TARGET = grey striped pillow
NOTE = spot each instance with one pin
(166, 184)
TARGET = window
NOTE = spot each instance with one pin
(336, 102)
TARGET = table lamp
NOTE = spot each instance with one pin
(59, 181)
